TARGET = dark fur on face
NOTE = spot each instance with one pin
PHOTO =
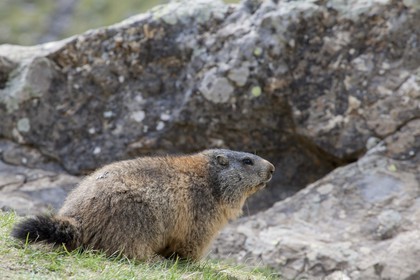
(239, 173)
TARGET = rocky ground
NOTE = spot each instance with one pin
(329, 91)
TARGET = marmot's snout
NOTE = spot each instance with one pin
(269, 171)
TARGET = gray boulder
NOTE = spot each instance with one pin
(327, 90)
(360, 220)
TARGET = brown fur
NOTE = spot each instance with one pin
(160, 205)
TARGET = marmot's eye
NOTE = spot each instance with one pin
(247, 161)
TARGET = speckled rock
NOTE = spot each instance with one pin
(359, 222)
(366, 227)
(317, 87)
(181, 78)
(41, 187)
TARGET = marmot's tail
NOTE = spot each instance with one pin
(51, 229)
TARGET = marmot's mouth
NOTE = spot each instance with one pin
(261, 186)
(257, 188)
(268, 179)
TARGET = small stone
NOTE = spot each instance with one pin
(412, 3)
(316, 198)
(167, 15)
(239, 75)
(118, 39)
(23, 125)
(361, 64)
(389, 222)
(216, 89)
(365, 250)
(92, 130)
(138, 116)
(108, 114)
(348, 82)
(354, 103)
(325, 189)
(121, 79)
(118, 130)
(97, 150)
(372, 142)
(217, 142)
(382, 90)
(292, 43)
(337, 275)
(386, 65)
(165, 117)
(17, 136)
(355, 274)
(160, 126)
(138, 98)
(135, 46)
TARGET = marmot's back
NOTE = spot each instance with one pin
(172, 205)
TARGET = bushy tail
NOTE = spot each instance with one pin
(50, 229)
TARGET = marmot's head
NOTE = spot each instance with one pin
(237, 174)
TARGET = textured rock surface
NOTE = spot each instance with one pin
(30, 190)
(355, 93)
(311, 85)
(361, 220)
(179, 79)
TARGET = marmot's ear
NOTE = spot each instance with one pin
(222, 160)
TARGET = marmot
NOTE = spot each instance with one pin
(140, 208)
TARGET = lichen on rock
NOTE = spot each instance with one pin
(329, 94)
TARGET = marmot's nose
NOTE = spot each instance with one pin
(271, 168)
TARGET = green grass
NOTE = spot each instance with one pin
(33, 261)
(24, 22)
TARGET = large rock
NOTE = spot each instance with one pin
(178, 79)
(29, 190)
(355, 93)
(312, 86)
(361, 220)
